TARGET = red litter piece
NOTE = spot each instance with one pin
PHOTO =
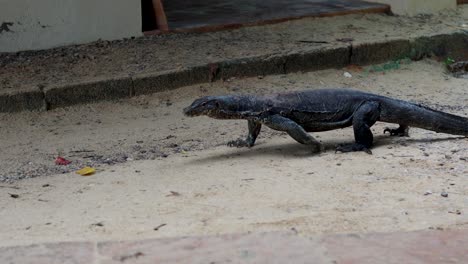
(62, 161)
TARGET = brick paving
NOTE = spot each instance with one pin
(450, 246)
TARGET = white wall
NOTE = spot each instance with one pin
(42, 24)
(414, 7)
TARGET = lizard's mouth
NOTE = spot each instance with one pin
(188, 111)
(194, 111)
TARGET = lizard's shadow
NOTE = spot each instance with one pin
(294, 149)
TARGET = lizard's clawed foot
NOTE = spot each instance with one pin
(400, 132)
(352, 148)
(239, 143)
(317, 148)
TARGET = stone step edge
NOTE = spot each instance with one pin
(118, 87)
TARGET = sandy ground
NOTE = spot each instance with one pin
(162, 174)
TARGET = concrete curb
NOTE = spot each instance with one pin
(168, 80)
(445, 45)
(22, 100)
(91, 91)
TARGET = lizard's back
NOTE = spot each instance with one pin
(324, 105)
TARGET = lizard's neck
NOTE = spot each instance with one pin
(240, 107)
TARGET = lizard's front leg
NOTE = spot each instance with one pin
(254, 130)
(296, 131)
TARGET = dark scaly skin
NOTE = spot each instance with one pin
(298, 113)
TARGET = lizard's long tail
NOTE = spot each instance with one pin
(410, 114)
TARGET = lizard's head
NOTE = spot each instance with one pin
(208, 105)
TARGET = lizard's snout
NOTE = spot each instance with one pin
(192, 111)
(188, 111)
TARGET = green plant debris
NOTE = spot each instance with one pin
(388, 66)
(449, 61)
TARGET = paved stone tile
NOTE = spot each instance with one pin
(413, 247)
(250, 248)
(214, 14)
(58, 253)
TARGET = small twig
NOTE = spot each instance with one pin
(11, 187)
(159, 226)
(402, 156)
(313, 41)
(126, 257)
(80, 151)
(457, 27)
(173, 193)
(345, 39)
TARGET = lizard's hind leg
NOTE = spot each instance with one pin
(364, 117)
(254, 130)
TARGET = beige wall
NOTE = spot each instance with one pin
(414, 7)
(42, 24)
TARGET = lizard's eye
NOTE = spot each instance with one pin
(203, 104)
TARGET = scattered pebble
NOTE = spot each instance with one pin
(294, 230)
(98, 224)
(347, 75)
(444, 194)
(428, 192)
(14, 196)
